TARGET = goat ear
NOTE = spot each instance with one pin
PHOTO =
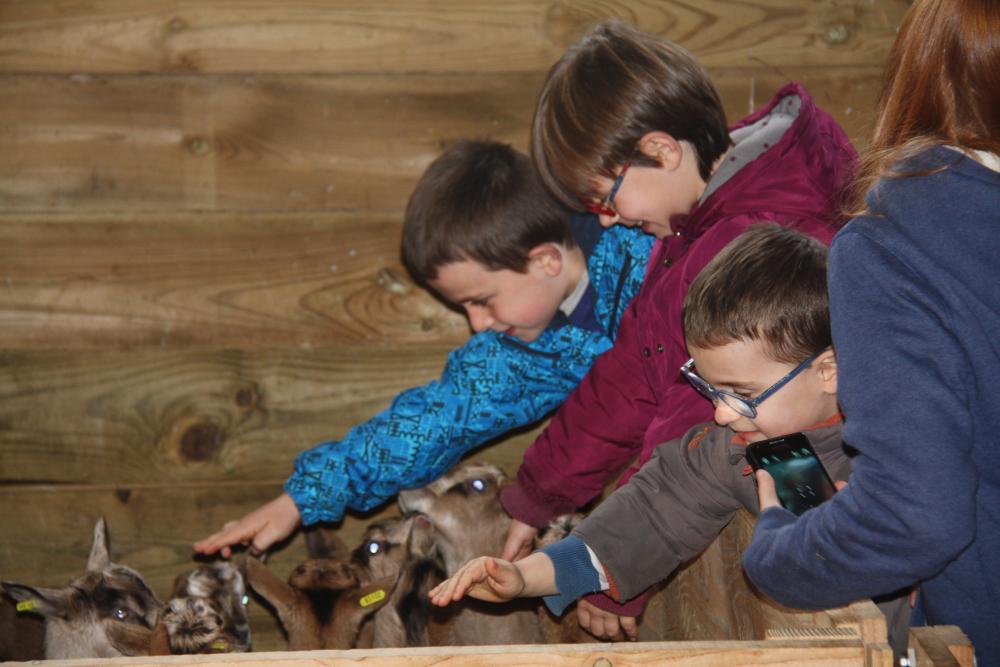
(99, 557)
(323, 542)
(372, 597)
(129, 638)
(44, 601)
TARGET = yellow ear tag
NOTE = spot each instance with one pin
(219, 646)
(372, 598)
(27, 605)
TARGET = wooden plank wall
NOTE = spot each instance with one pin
(200, 204)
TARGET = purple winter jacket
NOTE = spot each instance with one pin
(791, 164)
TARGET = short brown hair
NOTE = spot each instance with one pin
(480, 200)
(609, 90)
(941, 86)
(768, 284)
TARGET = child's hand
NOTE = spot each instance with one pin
(605, 624)
(484, 578)
(520, 540)
(259, 529)
(766, 494)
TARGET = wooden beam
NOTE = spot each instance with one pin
(941, 646)
(441, 36)
(294, 142)
(819, 653)
(248, 281)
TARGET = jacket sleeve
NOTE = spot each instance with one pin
(669, 511)
(907, 510)
(489, 386)
(597, 432)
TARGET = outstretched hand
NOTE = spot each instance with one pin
(258, 530)
(484, 578)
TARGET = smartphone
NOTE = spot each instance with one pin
(799, 477)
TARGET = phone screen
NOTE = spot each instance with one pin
(799, 477)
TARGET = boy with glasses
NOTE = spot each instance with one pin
(757, 325)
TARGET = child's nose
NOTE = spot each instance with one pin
(608, 220)
(479, 318)
(725, 415)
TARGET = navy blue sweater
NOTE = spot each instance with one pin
(915, 302)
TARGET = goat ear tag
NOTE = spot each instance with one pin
(27, 605)
(372, 598)
(219, 646)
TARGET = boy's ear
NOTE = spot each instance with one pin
(548, 257)
(826, 366)
(663, 148)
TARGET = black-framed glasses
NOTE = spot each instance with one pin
(606, 206)
(746, 407)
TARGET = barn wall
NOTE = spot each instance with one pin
(200, 205)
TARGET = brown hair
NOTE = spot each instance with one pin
(480, 201)
(941, 87)
(610, 89)
(768, 284)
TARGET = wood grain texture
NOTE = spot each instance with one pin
(293, 143)
(129, 418)
(680, 654)
(239, 281)
(440, 36)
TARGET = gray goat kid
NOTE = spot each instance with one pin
(206, 613)
(96, 616)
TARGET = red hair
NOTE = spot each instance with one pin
(941, 87)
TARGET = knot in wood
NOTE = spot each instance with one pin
(837, 33)
(199, 146)
(177, 24)
(391, 283)
(201, 442)
(602, 662)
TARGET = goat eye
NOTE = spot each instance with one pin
(121, 613)
(374, 547)
(478, 484)
(245, 600)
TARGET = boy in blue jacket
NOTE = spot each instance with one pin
(543, 289)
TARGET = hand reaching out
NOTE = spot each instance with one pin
(259, 529)
(484, 578)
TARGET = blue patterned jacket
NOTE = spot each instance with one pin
(490, 385)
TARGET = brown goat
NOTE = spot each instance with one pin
(390, 572)
(93, 617)
(464, 508)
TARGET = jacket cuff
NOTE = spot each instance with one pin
(526, 509)
(575, 573)
(633, 607)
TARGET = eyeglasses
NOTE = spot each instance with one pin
(606, 206)
(744, 406)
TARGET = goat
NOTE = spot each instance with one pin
(206, 613)
(464, 507)
(93, 617)
(387, 575)
(22, 636)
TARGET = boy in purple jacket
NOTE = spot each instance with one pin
(631, 124)
(757, 324)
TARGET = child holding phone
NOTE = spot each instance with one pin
(757, 325)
